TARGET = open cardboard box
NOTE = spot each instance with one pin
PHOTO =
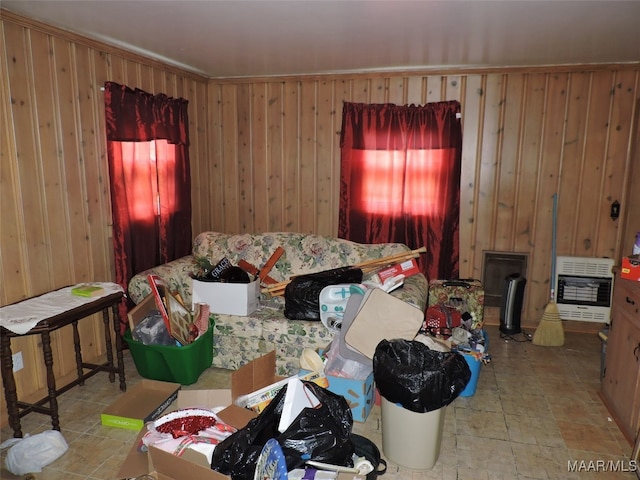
(142, 403)
(193, 465)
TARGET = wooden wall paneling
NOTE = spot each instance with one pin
(379, 91)
(489, 92)
(594, 156)
(471, 131)
(308, 158)
(245, 180)
(360, 90)
(291, 149)
(199, 154)
(452, 88)
(50, 155)
(101, 68)
(328, 165)
(434, 88)
(551, 139)
(92, 137)
(414, 86)
(397, 91)
(531, 133)
(617, 152)
(507, 165)
(72, 218)
(229, 142)
(275, 155)
(118, 72)
(89, 97)
(572, 159)
(260, 186)
(212, 180)
(28, 177)
(12, 273)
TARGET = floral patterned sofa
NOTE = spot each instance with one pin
(238, 340)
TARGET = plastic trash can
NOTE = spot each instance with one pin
(474, 365)
(411, 439)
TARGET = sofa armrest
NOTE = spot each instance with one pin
(177, 273)
(415, 291)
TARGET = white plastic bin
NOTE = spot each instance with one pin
(411, 439)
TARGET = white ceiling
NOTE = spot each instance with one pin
(239, 38)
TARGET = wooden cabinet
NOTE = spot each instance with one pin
(621, 381)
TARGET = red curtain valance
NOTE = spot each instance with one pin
(137, 116)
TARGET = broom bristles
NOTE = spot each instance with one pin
(550, 332)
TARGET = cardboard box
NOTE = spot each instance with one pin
(193, 465)
(630, 268)
(249, 378)
(407, 268)
(141, 403)
(360, 394)
(227, 298)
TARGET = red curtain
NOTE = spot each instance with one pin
(148, 153)
(400, 179)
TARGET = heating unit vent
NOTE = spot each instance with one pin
(583, 288)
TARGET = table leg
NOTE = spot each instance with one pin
(107, 340)
(51, 380)
(10, 392)
(78, 349)
(120, 358)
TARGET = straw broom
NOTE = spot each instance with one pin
(550, 332)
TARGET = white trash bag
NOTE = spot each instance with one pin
(31, 453)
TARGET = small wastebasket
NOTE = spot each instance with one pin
(415, 384)
(411, 439)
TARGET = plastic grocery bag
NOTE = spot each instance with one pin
(31, 453)
(322, 434)
(408, 373)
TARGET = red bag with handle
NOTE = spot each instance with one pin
(440, 320)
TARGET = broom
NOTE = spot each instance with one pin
(550, 332)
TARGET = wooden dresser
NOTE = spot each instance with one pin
(621, 380)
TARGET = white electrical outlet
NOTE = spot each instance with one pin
(17, 361)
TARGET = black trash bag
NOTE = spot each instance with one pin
(322, 434)
(419, 379)
(302, 293)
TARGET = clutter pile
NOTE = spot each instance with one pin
(168, 321)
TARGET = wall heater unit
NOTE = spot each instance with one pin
(584, 288)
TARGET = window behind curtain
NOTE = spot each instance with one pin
(149, 174)
(400, 179)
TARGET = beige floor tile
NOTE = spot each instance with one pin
(535, 410)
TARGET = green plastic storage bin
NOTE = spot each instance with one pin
(182, 365)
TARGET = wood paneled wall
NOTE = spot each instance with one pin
(527, 134)
(55, 208)
(265, 157)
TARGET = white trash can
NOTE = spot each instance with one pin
(411, 439)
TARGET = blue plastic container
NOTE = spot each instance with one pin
(474, 366)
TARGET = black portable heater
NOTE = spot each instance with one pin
(511, 307)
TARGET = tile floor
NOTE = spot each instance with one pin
(535, 410)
